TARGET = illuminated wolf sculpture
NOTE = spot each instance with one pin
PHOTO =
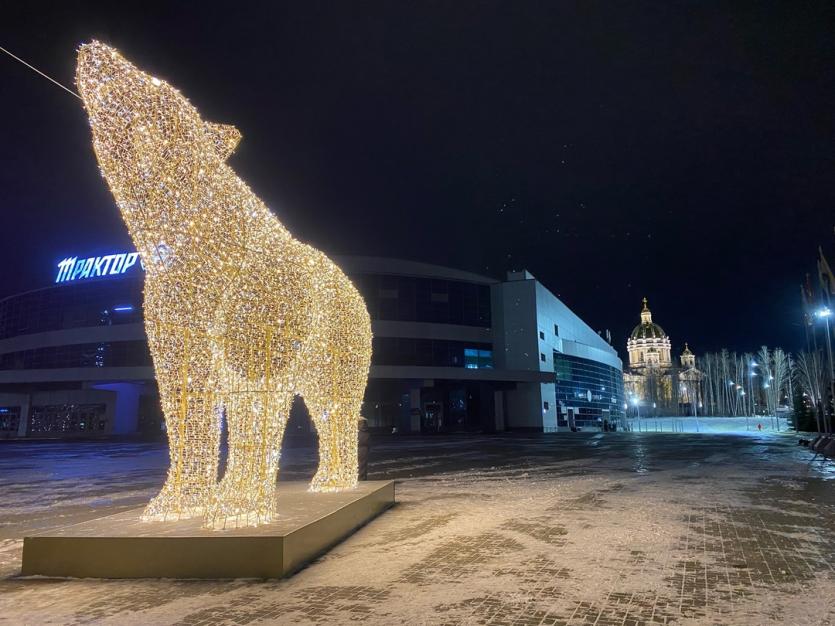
(240, 316)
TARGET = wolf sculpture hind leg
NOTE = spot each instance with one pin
(334, 392)
(337, 427)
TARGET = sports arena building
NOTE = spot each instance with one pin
(453, 351)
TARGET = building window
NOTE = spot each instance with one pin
(592, 390)
(556, 330)
(546, 406)
(541, 335)
(9, 418)
(68, 418)
(478, 359)
(410, 299)
(542, 357)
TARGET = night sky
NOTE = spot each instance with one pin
(682, 151)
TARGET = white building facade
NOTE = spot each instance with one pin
(535, 330)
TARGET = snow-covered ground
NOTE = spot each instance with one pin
(726, 425)
(573, 528)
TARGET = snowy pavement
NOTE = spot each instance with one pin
(585, 528)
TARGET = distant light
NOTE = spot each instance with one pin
(824, 312)
(754, 364)
(123, 309)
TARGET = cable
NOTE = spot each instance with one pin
(32, 67)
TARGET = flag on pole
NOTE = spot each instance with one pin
(807, 298)
(827, 279)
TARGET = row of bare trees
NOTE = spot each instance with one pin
(746, 384)
(760, 383)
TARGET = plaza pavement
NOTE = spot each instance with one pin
(585, 528)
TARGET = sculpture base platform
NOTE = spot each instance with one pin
(121, 546)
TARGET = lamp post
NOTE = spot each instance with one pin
(825, 313)
(744, 405)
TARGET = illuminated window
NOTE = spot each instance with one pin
(9, 418)
(478, 359)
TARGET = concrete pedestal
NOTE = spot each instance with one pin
(121, 546)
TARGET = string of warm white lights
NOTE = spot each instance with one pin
(240, 316)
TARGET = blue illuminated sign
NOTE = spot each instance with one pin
(73, 268)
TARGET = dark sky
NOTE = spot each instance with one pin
(682, 151)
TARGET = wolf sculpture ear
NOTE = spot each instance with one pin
(226, 138)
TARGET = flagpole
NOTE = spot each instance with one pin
(827, 283)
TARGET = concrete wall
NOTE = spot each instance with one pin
(126, 408)
(524, 407)
(514, 325)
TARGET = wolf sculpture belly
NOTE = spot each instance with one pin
(240, 316)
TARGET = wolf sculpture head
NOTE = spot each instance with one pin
(155, 151)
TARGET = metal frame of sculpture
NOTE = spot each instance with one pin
(240, 316)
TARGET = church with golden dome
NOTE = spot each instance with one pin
(652, 380)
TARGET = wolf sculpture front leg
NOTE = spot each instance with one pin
(246, 496)
(182, 362)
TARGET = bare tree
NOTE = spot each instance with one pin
(812, 378)
(775, 372)
(737, 384)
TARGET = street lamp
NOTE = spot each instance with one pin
(825, 313)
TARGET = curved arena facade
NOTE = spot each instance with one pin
(453, 352)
